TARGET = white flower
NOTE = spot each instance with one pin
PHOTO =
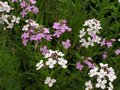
(10, 25)
(34, 24)
(88, 85)
(49, 81)
(111, 77)
(119, 40)
(15, 19)
(92, 29)
(90, 42)
(5, 7)
(91, 32)
(25, 27)
(97, 39)
(39, 65)
(93, 72)
(102, 73)
(110, 86)
(51, 63)
(60, 54)
(84, 42)
(82, 33)
(4, 18)
(101, 83)
(50, 52)
(62, 62)
(103, 65)
(105, 75)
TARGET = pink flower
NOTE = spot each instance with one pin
(103, 42)
(117, 51)
(28, 8)
(90, 64)
(23, 13)
(23, 4)
(60, 28)
(32, 1)
(48, 37)
(14, 0)
(79, 66)
(66, 44)
(57, 34)
(46, 30)
(109, 44)
(34, 9)
(24, 42)
(56, 25)
(44, 50)
(25, 35)
(104, 55)
(39, 36)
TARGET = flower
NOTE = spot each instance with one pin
(49, 81)
(104, 55)
(105, 76)
(33, 1)
(51, 63)
(79, 66)
(66, 44)
(88, 34)
(39, 65)
(110, 87)
(10, 25)
(23, 13)
(56, 25)
(109, 44)
(93, 72)
(101, 83)
(117, 51)
(88, 85)
(25, 27)
(23, 4)
(82, 33)
(89, 63)
(102, 73)
(62, 62)
(28, 7)
(55, 57)
(14, 0)
(4, 7)
(15, 19)
(44, 50)
(60, 27)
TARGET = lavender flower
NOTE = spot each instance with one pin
(79, 66)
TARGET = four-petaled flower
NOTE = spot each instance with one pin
(49, 81)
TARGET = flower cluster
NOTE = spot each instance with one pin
(107, 43)
(5, 18)
(28, 6)
(53, 57)
(34, 32)
(88, 34)
(60, 28)
(87, 61)
(104, 76)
